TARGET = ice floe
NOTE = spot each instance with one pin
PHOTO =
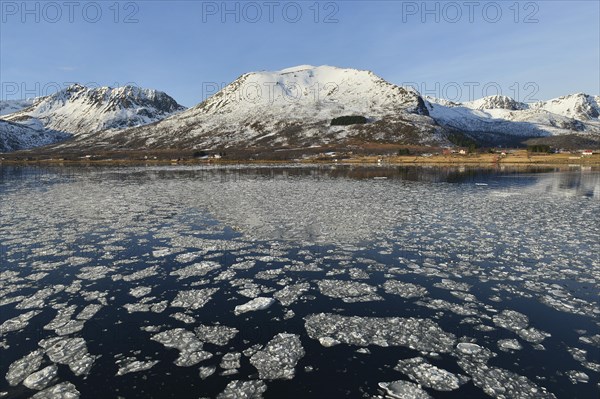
(426, 374)
(186, 342)
(414, 333)
(278, 359)
(349, 291)
(69, 351)
(260, 303)
(243, 390)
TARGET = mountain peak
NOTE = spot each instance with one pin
(78, 109)
(496, 102)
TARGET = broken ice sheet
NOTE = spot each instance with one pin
(69, 351)
(496, 382)
(403, 390)
(518, 322)
(23, 367)
(195, 270)
(193, 299)
(139, 291)
(41, 379)
(216, 335)
(418, 334)
(405, 290)
(425, 374)
(260, 303)
(64, 390)
(349, 291)
(189, 346)
(278, 359)
(19, 322)
(243, 390)
(134, 365)
(291, 293)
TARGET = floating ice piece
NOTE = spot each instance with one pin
(193, 299)
(217, 335)
(509, 344)
(278, 359)
(577, 376)
(19, 322)
(403, 390)
(133, 365)
(189, 346)
(94, 272)
(231, 361)
(23, 367)
(243, 390)
(64, 390)
(349, 291)
(69, 351)
(187, 319)
(157, 307)
(418, 334)
(38, 300)
(141, 274)
(496, 382)
(259, 303)
(511, 320)
(196, 270)
(162, 252)
(467, 309)
(425, 374)
(533, 335)
(140, 291)
(207, 371)
(452, 285)
(405, 290)
(63, 316)
(70, 327)
(89, 311)
(40, 379)
(328, 342)
(291, 293)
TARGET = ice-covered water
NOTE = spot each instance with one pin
(299, 282)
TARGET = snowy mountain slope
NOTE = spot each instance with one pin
(78, 110)
(14, 137)
(294, 106)
(11, 106)
(491, 117)
(578, 106)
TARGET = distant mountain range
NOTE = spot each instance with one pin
(298, 107)
(78, 111)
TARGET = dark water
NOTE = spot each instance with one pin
(523, 240)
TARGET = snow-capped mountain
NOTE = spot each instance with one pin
(10, 106)
(502, 119)
(296, 107)
(79, 110)
(291, 107)
(14, 137)
(580, 106)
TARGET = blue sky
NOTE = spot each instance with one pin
(530, 50)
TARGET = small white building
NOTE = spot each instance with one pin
(587, 153)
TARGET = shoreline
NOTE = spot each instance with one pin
(515, 159)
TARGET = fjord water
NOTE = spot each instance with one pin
(126, 278)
